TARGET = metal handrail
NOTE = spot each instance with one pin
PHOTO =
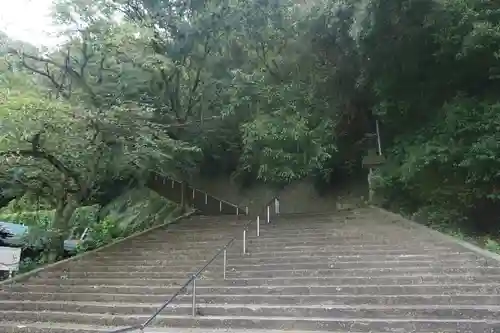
(193, 278)
(203, 192)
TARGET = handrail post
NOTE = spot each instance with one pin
(268, 219)
(258, 226)
(225, 262)
(244, 241)
(194, 296)
(220, 206)
(246, 210)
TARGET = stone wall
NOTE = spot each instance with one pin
(300, 197)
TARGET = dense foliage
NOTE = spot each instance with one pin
(259, 90)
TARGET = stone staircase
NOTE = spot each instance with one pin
(357, 271)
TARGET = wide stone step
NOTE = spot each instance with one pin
(170, 244)
(206, 230)
(179, 248)
(144, 261)
(178, 255)
(319, 311)
(347, 252)
(254, 322)
(365, 257)
(11, 327)
(361, 264)
(169, 274)
(331, 230)
(366, 272)
(318, 271)
(298, 299)
(163, 270)
(325, 281)
(239, 259)
(268, 238)
(168, 247)
(313, 289)
(319, 241)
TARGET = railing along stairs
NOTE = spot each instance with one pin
(191, 281)
(185, 194)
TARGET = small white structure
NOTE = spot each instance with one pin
(9, 259)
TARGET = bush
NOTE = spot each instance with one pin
(450, 168)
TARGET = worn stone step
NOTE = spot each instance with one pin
(167, 243)
(329, 230)
(154, 258)
(144, 261)
(254, 322)
(166, 274)
(162, 253)
(239, 259)
(366, 272)
(278, 238)
(374, 299)
(361, 264)
(312, 289)
(178, 265)
(346, 252)
(365, 257)
(10, 327)
(385, 280)
(205, 230)
(362, 245)
(173, 240)
(323, 241)
(180, 249)
(279, 235)
(162, 270)
(323, 271)
(319, 311)
(178, 255)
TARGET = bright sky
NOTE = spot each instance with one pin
(28, 20)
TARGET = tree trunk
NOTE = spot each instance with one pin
(60, 228)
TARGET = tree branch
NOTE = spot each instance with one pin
(37, 152)
(47, 74)
(72, 72)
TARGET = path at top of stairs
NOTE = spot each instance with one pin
(358, 271)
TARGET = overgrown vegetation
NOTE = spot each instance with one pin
(271, 91)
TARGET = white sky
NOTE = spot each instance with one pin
(28, 20)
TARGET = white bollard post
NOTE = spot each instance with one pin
(258, 226)
(194, 298)
(225, 262)
(244, 241)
